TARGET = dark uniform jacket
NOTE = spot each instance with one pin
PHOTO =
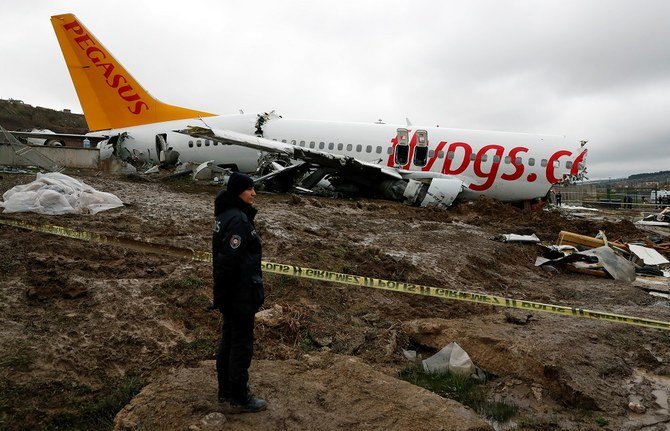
(236, 257)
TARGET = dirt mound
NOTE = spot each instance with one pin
(545, 223)
(319, 392)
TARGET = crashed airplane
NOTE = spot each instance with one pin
(418, 165)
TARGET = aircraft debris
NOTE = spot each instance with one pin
(574, 239)
(152, 170)
(13, 170)
(647, 256)
(659, 219)
(601, 261)
(512, 237)
(600, 257)
(208, 171)
(55, 194)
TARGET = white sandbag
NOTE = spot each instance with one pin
(452, 359)
(54, 194)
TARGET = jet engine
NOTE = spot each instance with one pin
(440, 192)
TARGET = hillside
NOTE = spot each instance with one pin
(16, 115)
(661, 177)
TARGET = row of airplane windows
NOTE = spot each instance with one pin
(378, 150)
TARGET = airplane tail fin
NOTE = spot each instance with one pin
(110, 97)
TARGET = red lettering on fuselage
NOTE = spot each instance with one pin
(459, 155)
(489, 176)
(446, 167)
(126, 92)
(575, 165)
(518, 167)
(436, 153)
(551, 168)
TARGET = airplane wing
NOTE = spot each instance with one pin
(421, 188)
(40, 135)
(321, 158)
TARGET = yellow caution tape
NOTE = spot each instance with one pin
(338, 277)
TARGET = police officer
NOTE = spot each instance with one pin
(238, 289)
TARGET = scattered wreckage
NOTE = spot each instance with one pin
(598, 256)
(661, 219)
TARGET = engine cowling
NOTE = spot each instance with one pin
(442, 192)
(54, 143)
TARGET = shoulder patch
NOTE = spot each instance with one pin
(235, 241)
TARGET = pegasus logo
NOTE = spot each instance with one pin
(98, 57)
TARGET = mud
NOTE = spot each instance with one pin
(80, 321)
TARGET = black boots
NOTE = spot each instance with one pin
(251, 405)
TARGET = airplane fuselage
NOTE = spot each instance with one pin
(500, 165)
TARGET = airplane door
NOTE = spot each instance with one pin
(421, 149)
(402, 147)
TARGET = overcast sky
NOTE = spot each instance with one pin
(587, 69)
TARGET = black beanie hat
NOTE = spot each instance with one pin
(237, 183)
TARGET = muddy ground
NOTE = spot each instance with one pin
(85, 327)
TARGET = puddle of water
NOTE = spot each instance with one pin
(656, 414)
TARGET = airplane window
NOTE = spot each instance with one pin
(311, 144)
(531, 162)
(340, 146)
(274, 139)
(321, 145)
(190, 144)
(283, 140)
(508, 160)
(431, 153)
(359, 148)
(473, 156)
(440, 154)
(216, 143)
(368, 149)
(379, 150)
(518, 160)
(450, 155)
(206, 142)
(302, 143)
(198, 143)
(496, 158)
(293, 142)
(557, 164)
(568, 164)
(389, 150)
(349, 147)
(543, 163)
(331, 146)
(580, 166)
(484, 158)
